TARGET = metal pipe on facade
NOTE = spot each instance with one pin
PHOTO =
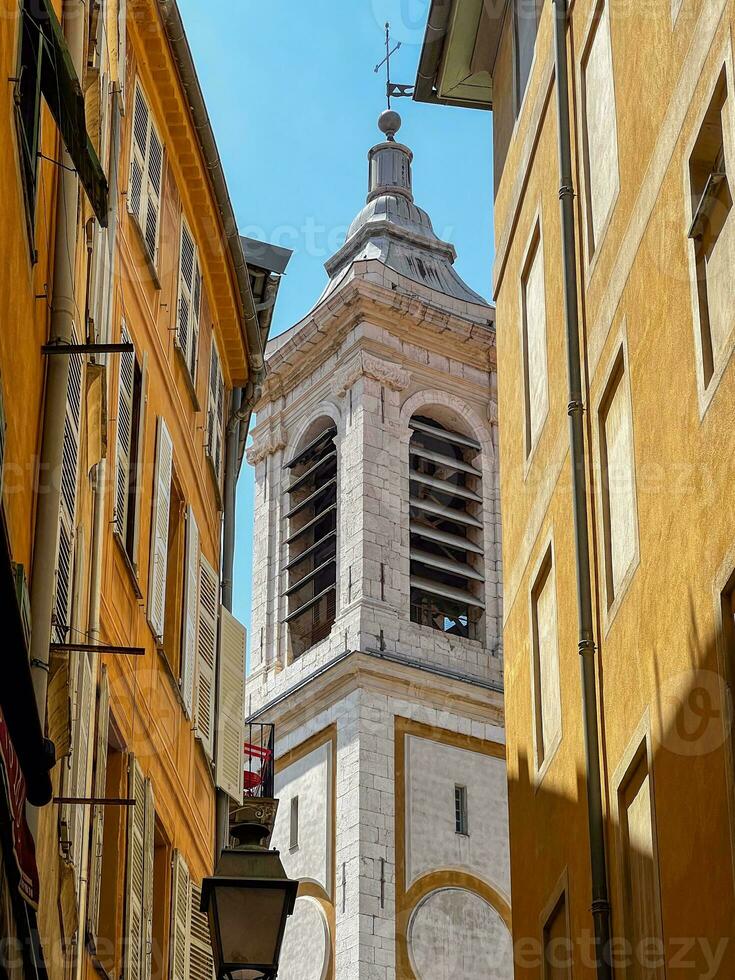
(105, 239)
(63, 310)
(596, 820)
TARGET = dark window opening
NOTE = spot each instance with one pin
(461, 823)
(28, 107)
(173, 627)
(311, 572)
(447, 580)
(294, 823)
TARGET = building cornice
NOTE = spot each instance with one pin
(407, 315)
(365, 365)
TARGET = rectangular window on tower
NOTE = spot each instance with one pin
(526, 15)
(294, 824)
(712, 232)
(557, 946)
(545, 667)
(461, 823)
(535, 375)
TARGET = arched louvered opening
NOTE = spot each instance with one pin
(311, 570)
(447, 560)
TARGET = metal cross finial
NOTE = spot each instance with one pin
(386, 61)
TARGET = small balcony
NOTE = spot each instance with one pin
(259, 762)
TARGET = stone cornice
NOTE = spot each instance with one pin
(366, 365)
(406, 315)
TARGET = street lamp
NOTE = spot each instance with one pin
(248, 900)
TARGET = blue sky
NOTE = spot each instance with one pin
(294, 101)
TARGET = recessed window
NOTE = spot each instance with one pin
(461, 823)
(557, 945)
(294, 823)
(712, 232)
(526, 15)
(618, 482)
(311, 570)
(447, 567)
(535, 375)
(172, 636)
(215, 413)
(545, 645)
(600, 130)
(642, 913)
(28, 106)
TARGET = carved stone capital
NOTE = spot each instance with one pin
(366, 365)
(266, 445)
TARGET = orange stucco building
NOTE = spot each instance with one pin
(128, 251)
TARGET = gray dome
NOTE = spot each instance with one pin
(399, 211)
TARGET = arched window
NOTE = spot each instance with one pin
(311, 579)
(447, 560)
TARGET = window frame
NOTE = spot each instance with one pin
(544, 575)
(293, 823)
(140, 217)
(710, 366)
(129, 541)
(534, 250)
(519, 95)
(461, 811)
(618, 366)
(188, 347)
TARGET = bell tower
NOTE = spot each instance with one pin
(375, 638)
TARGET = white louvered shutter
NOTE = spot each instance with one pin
(201, 961)
(206, 653)
(196, 311)
(154, 164)
(68, 502)
(122, 47)
(139, 147)
(159, 530)
(179, 945)
(215, 411)
(124, 434)
(98, 814)
(148, 856)
(191, 603)
(135, 938)
(187, 260)
(80, 760)
(231, 720)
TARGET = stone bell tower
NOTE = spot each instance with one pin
(376, 623)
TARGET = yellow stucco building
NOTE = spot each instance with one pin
(130, 357)
(632, 213)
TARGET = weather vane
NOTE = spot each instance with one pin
(392, 90)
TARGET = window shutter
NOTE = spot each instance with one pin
(186, 287)
(148, 849)
(80, 760)
(135, 874)
(206, 653)
(153, 199)
(201, 961)
(196, 309)
(141, 121)
(98, 814)
(231, 720)
(179, 945)
(159, 529)
(124, 434)
(191, 594)
(215, 411)
(137, 474)
(68, 502)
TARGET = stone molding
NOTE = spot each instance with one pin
(271, 443)
(366, 365)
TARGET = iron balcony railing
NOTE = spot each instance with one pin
(259, 762)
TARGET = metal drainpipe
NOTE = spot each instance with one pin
(106, 240)
(598, 860)
(232, 439)
(63, 310)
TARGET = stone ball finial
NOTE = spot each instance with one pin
(389, 123)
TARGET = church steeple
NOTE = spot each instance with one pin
(392, 230)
